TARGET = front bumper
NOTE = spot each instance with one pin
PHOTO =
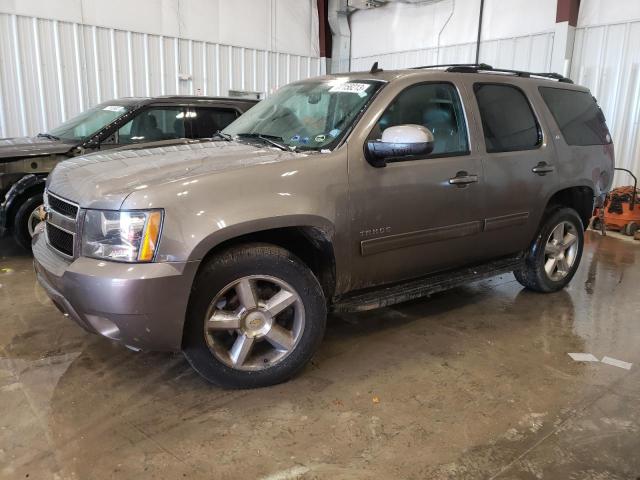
(140, 305)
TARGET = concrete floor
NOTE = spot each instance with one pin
(472, 383)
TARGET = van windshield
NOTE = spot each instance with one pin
(307, 115)
(89, 122)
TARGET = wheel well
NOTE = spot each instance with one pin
(310, 244)
(20, 198)
(579, 198)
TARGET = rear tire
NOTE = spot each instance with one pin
(554, 256)
(24, 221)
(234, 304)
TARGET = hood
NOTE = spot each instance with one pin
(31, 146)
(104, 180)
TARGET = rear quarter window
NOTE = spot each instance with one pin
(578, 116)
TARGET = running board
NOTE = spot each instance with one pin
(422, 287)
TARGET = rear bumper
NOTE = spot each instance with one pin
(140, 305)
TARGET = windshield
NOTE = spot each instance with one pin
(307, 115)
(89, 122)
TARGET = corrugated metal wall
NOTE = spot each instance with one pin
(52, 70)
(606, 59)
(530, 52)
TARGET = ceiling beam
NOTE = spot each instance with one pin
(567, 11)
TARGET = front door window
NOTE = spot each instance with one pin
(435, 106)
(152, 125)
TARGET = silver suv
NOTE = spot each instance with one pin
(342, 193)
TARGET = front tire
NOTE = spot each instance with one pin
(256, 316)
(26, 219)
(554, 256)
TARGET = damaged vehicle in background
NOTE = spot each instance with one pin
(339, 193)
(26, 161)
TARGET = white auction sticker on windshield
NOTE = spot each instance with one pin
(113, 108)
(350, 87)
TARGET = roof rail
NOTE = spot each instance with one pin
(483, 67)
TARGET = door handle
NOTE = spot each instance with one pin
(462, 179)
(543, 168)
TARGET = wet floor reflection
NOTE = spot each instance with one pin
(470, 378)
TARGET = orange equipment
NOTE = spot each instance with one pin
(621, 209)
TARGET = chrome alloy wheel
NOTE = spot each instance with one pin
(34, 219)
(561, 251)
(254, 322)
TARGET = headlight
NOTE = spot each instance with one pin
(121, 236)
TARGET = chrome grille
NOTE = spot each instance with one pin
(61, 224)
(63, 207)
(60, 239)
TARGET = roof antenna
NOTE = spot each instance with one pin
(374, 68)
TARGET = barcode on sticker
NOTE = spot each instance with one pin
(350, 87)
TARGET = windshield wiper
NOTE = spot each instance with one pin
(223, 136)
(49, 136)
(270, 139)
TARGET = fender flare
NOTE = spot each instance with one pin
(256, 226)
(578, 184)
(11, 199)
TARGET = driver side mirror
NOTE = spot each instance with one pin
(398, 143)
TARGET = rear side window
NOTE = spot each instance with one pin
(508, 122)
(207, 121)
(578, 116)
